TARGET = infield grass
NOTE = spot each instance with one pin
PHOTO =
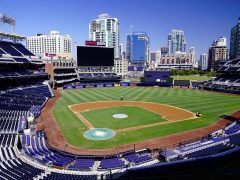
(102, 118)
(211, 104)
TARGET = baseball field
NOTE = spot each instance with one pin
(151, 113)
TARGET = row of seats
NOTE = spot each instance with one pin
(19, 73)
(136, 158)
(233, 129)
(14, 49)
(7, 140)
(82, 164)
(9, 120)
(57, 176)
(11, 166)
(213, 144)
(34, 146)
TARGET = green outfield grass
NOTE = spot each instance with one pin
(197, 78)
(212, 105)
(102, 118)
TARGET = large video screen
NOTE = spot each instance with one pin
(95, 56)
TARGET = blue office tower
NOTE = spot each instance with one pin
(137, 48)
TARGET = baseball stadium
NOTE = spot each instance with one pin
(66, 120)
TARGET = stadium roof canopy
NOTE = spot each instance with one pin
(9, 36)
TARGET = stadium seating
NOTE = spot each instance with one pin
(16, 52)
(98, 76)
(11, 166)
(58, 176)
(234, 139)
(233, 129)
(8, 48)
(82, 164)
(111, 163)
(228, 79)
(137, 158)
(208, 151)
(23, 50)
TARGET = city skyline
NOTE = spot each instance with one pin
(153, 17)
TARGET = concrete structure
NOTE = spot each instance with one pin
(51, 46)
(137, 48)
(164, 50)
(105, 29)
(61, 72)
(176, 61)
(217, 53)
(235, 41)
(121, 51)
(121, 67)
(193, 57)
(155, 57)
(176, 41)
(203, 62)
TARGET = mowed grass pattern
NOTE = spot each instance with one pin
(212, 105)
(102, 118)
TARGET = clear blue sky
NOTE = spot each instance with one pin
(202, 20)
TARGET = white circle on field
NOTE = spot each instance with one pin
(100, 133)
(120, 116)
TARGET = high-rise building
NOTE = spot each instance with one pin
(137, 48)
(121, 51)
(105, 29)
(121, 67)
(164, 51)
(235, 41)
(203, 62)
(50, 46)
(176, 41)
(217, 53)
(193, 57)
(155, 57)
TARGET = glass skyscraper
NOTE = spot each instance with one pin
(137, 48)
(176, 41)
(235, 41)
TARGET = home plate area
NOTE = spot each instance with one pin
(97, 134)
(120, 116)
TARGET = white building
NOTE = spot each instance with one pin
(193, 57)
(155, 57)
(203, 61)
(221, 41)
(50, 46)
(121, 67)
(176, 41)
(121, 51)
(106, 29)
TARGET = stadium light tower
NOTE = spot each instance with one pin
(4, 19)
(11, 21)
